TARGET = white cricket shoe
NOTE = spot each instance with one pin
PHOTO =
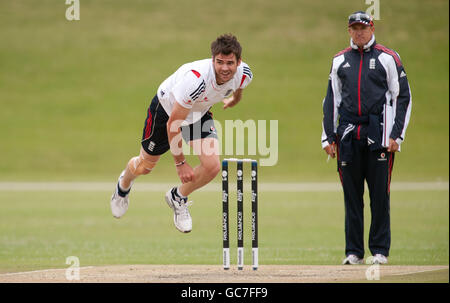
(181, 216)
(119, 204)
(379, 259)
(352, 260)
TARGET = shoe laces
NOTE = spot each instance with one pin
(124, 202)
(183, 211)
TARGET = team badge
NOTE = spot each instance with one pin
(372, 63)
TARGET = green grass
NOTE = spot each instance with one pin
(74, 94)
(38, 230)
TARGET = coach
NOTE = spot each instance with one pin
(365, 115)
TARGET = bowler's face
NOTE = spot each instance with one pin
(361, 34)
(225, 67)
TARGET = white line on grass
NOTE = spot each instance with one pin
(39, 271)
(214, 187)
(416, 272)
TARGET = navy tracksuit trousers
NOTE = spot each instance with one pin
(375, 167)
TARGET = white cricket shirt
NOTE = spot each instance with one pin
(194, 87)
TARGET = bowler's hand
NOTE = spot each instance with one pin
(393, 146)
(229, 102)
(185, 173)
(330, 149)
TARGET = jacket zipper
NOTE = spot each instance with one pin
(359, 92)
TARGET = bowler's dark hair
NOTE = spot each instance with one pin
(226, 44)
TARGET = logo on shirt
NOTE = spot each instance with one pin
(402, 74)
(203, 99)
(248, 72)
(372, 63)
(346, 65)
(198, 91)
(228, 92)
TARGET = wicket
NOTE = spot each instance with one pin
(240, 213)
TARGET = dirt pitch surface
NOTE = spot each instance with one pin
(216, 274)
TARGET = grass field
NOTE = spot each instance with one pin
(40, 229)
(73, 99)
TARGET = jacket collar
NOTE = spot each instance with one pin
(366, 47)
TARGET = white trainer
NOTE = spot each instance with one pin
(352, 260)
(379, 259)
(119, 204)
(181, 216)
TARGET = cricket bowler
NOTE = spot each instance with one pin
(181, 109)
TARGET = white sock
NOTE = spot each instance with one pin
(179, 194)
(123, 187)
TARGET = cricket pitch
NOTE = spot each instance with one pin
(216, 274)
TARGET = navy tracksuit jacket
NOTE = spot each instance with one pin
(368, 101)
